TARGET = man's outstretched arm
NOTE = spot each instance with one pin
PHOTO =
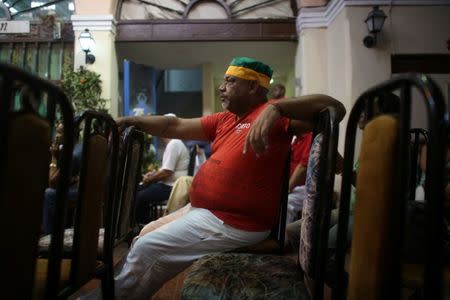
(166, 126)
(304, 109)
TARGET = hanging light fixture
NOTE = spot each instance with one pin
(374, 21)
(87, 43)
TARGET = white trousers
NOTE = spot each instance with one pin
(162, 253)
(295, 203)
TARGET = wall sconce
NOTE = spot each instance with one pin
(375, 20)
(87, 43)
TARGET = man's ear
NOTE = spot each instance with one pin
(253, 85)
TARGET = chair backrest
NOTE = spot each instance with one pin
(419, 137)
(316, 209)
(370, 276)
(192, 155)
(96, 200)
(375, 210)
(25, 137)
(129, 169)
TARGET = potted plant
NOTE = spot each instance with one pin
(84, 89)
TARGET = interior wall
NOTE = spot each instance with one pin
(407, 30)
(95, 7)
(313, 56)
(340, 73)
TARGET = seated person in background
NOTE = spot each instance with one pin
(235, 194)
(156, 186)
(299, 161)
(300, 146)
(278, 91)
(50, 192)
(179, 196)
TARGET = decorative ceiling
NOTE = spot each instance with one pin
(29, 10)
(207, 9)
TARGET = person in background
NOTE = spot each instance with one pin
(157, 185)
(235, 194)
(50, 192)
(278, 91)
(300, 147)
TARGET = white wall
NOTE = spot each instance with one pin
(336, 52)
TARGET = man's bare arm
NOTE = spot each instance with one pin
(166, 126)
(305, 109)
(298, 177)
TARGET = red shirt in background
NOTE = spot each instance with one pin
(300, 150)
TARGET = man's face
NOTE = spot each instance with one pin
(277, 92)
(234, 94)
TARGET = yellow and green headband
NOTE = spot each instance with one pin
(250, 69)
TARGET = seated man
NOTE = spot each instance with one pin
(235, 195)
(156, 186)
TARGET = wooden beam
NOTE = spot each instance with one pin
(206, 30)
(41, 33)
(423, 63)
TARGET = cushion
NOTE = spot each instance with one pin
(244, 276)
(25, 176)
(309, 211)
(375, 213)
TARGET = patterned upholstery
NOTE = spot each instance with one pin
(244, 276)
(310, 211)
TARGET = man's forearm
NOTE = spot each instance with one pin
(298, 177)
(166, 126)
(161, 175)
(154, 125)
(306, 108)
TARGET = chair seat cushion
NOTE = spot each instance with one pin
(44, 242)
(244, 276)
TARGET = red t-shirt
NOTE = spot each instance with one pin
(241, 189)
(300, 151)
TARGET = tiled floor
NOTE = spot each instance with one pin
(172, 289)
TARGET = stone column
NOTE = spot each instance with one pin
(103, 30)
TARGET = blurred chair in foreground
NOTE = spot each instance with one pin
(25, 138)
(94, 209)
(382, 191)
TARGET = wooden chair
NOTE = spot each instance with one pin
(125, 226)
(129, 172)
(419, 137)
(25, 138)
(94, 208)
(382, 194)
(255, 276)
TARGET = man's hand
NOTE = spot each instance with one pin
(258, 136)
(123, 122)
(148, 178)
